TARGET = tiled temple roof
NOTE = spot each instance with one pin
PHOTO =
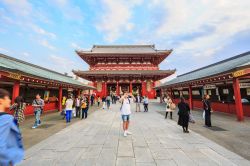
(225, 66)
(11, 64)
(123, 49)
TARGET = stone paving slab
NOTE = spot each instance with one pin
(99, 140)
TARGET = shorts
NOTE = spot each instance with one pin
(125, 118)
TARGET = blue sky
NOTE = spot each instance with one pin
(200, 32)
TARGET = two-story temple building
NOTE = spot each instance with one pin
(124, 68)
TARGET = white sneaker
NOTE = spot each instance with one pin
(129, 133)
(33, 127)
(125, 134)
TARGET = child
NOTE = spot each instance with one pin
(11, 146)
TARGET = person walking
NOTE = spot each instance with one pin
(208, 110)
(138, 103)
(184, 111)
(145, 103)
(103, 102)
(92, 98)
(19, 108)
(85, 107)
(98, 101)
(125, 109)
(38, 105)
(78, 106)
(114, 98)
(11, 151)
(169, 107)
(68, 108)
(108, 100)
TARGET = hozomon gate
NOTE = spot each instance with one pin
(124, 68)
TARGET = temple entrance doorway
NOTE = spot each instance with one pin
(111, 89)
(136, 89)
(124, 88)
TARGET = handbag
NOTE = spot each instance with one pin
(203, 115)
(172, 106)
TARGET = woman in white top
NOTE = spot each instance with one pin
(169, 107)
(125, 109)
(68, 108)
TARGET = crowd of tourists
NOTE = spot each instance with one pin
(75, 107)
(12, 151)
(106, 101)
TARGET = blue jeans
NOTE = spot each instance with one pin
(108, 104)
(68, 115)
(37, 116)
(84, 113)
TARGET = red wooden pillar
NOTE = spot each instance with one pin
(130, 87)
(190, 97)
(143, 88)
(15, 91)
(117, 88)
(238, 103)
(60, 99)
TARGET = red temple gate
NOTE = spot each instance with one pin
(124, 68)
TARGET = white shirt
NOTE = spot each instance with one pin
(126, 108)
(69, 104)
(78, 102)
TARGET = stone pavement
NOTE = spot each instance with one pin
(155, 141)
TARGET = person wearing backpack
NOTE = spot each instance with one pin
(11, 146)
(125, 109)
(18, 107)
(38, 105)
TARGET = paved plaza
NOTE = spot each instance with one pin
(155, 141)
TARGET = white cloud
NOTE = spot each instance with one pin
(18, 7)
(75, 46)
(26, 54)
(3, 50)
(116, 18)
(25, 17)
(41, 31)
(61, 62)
(216, 21)
(69, 10)
(46, 44)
